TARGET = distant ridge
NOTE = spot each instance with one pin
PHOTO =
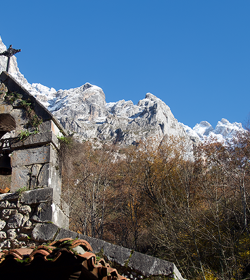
(84, 111)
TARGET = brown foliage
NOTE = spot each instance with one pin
(156, 200)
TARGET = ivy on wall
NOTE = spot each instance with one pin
(16, 98)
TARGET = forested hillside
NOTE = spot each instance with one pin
(156, 200)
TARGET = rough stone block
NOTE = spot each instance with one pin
(24, 209)
(17, 244)
(59, 218)
(20, 119)
(5, 109)
(6, 244)
(27, 226)
(96, 244)
(43, 178)
(35, 170)
(148, 265)
(45, 127)
(12, 205)
(19, 178)
(31, 156)
(3, 235)
(55, 184)
(2, 224)
(64, 233)
(56, 130)
(4, 204)
(37, 196)
(25, 220)
(43, 213)
(6, 213)
(11, 233)
(22, 237)
(15, 221)
(44, 232)
(116, 253)
(54, 156)
(51, 126)
(9, 196)
(65, 207)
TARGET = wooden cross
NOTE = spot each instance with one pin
(9, 53)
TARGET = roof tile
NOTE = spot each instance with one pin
(55, 257)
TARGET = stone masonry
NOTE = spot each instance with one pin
(29, 219)
(22, 213)
(32, 133)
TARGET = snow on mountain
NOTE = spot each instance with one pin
(223, 131)
(83, 110)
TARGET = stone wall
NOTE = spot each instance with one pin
(31, 218)
(28, 219)
(22, 213)
(32, 150)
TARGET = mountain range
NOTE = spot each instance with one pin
(84, 111)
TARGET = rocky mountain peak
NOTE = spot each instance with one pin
(223, 131)
(84, 110)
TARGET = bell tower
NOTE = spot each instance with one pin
(29, 145)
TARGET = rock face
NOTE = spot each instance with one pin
(224, 131)
(83, 110)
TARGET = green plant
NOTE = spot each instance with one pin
(26, 133)
(34, 120)
(21, 190)
(25, 103)
(98, 258)
(127, 261)
(25, 260)
(64, 139)
(12, 97)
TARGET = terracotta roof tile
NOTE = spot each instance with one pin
(62, 259)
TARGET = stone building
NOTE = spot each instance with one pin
(33, 213)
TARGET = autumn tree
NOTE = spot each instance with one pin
(183, 204)
(87, 173)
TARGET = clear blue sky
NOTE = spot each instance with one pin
(194, 55)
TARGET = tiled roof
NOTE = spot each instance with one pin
(63, 259)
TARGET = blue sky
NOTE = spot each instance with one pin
(194, 55)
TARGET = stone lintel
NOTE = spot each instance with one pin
(35, 140)
(37, 196)
(38, 155)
